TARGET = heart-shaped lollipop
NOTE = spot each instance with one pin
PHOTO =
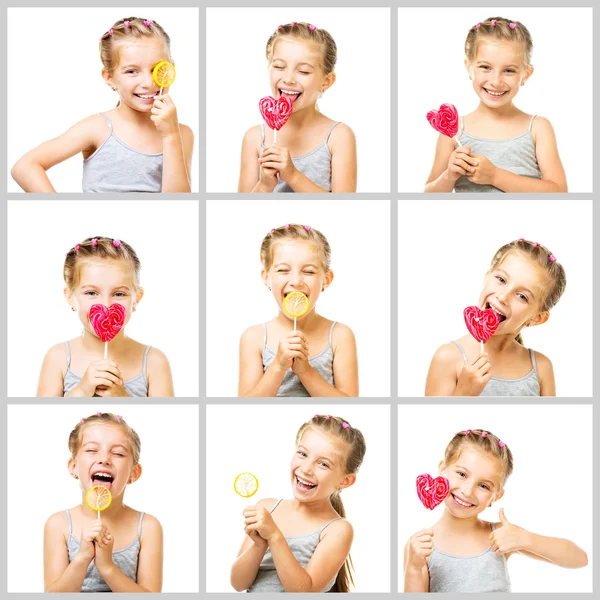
(432, 491)
(275, 112)
(107, 321)
(482, 324)
(445, 120)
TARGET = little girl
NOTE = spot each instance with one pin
(318, 359)
(278, 555)
(139, 146)
(462, 553)
(104, 271)
(524, 282)
(121, 551)
(502, 148)
(313, 153)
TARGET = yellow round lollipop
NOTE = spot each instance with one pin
(245, 485)
(296, 304)
(98, 498)
(164, 74)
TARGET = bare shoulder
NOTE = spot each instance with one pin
(56, 526)
(541, 126)
(340, 528)
(157, 358)
(253, 335)
(342, 136)
(447, 354)
(253, 135)
(544, 364)
(186, 133)
(57, 355)
(151, 525)
(342, 334)
(266, 502)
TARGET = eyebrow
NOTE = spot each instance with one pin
(305, 64)
(323, 457)
(508, 277)
(95, 287)
(283, 264)
(113, 446)
(469, 472)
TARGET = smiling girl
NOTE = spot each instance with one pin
(139, 146)
(462, 553)
(104, 271)
(524, 282)
(503, 149)
(313, 153)
(317, 359)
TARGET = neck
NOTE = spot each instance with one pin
(311, 507)
(497, 114)
(500, 342)
(305, 323)
(460, 525)
(94, 344)
(140, 119)
(110, 515)
(302, 118)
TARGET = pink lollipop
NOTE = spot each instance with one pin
(445, 120)
(432, 491)
(482, 324)
(107, 322)
(275, 112)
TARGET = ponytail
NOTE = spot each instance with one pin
(344, 579)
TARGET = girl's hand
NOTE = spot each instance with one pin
(278, 158)
(114, 391)
(258, 519)
(104, 546)
(420, 547)
(474, 377)
(461, 162)
(508, 538)
(293, 345)
(90, 532)
(164, 115)
(100, 372)
(485, 171)
(268, 178)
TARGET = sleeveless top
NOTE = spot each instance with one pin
(126, 560)
(291, 385)
(115, 167)
(138, 386)
(302, 547)
(315, 165)
(483, 572)
(528, 385)
(516, 154)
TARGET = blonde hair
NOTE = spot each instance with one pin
(355, 442)
(310, 33)
(484, 441)
(96, 249)
(499, 28)
(76, 436)
(295, 232)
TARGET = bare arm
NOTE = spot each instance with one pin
(440, 180)
(160, 380)
(416, 579)
(558, 551)
(250, 180)
(441, 378)
(51, 382)
(546, 375)
(177, 161)
(343, 159)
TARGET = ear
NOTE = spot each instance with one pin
(347, 481)
(528, 74)
(265, 277)
(539, 319)
(68, 296)
(498, 496)
(441, 467)
(327, 280)
(107, 77)
(468, 67)
(139, 296)
(136, 473)
(72, 466)
(328, 81)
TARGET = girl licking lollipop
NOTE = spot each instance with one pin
(313, 153)
(524, 282)
(139, 146)
(122, 551)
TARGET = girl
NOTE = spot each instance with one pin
(103, 271)
(313, 153)
(462, 553)
(524, 282)
(502, 148)
(277, 554)
(122, 551)
(139, 146)
(275, 359)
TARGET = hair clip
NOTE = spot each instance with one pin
(147, 22)
(307, 227)
(345, 425)
(484, 434)
(272, 230)
(312, 27)
(552, 258)
(82, 421)
(468, 431)
(116, 243)
(127, 24)
(95, 242)
(512, 25)
(77, 246)
(493, 23)
(501, 444)
(110, 31)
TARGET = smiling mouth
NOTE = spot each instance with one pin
(302, 484)
(291, 94)
(462, 503)
(500, 314)
(103, 478)
(495, 94)
(147, 96)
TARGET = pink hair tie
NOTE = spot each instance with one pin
(119, 417)
(345, 425)
(293, 23)
(82, 421)
(272, 230)
(98, 413)
(116, 243)
(493, 22)
(95, 242)
(307, 227)
(280, 27)
(77, 246)
(484, 434)
(329, 416)
(287, 226)
(127, 24)
(552, 258)
(312, 27)
(316, 417)
(478, 26)
(536, 244)
(111, 31)
(512, 25)
(521, 239)
(468, 431)
(147, 22)
(501, 444)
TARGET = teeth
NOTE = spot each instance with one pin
(466, 505)
(101, 473)
(496, 310)
(494, 93)
(289, 92)
(304, 482)
(147, 96)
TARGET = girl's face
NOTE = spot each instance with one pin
(104, 282)
(295, 71)
(317, 469)
(133, 75)
(297, 267)
(104, 458)
(498, 71)
(514, 289)
(475, 482)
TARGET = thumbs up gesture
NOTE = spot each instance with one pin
(508, 537)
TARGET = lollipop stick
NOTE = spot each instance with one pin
(275, 141)
(105, 357)
(294, 323)
(481, 347)
(98, 513)
(160, 94)
(456, 140)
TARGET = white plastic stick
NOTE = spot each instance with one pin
(294, 323)
(481, 347)
(160, 94)
(98, 515)
(274, 136)
(456, 140)
(105, 358)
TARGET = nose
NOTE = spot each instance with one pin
(496, 78)
(288, 77)
(296, 278)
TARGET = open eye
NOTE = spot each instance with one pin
(500, 279)
(301, 453)
(461, 473)
(485, 486)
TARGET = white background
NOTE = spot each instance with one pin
(39, 484)
(237, 78)
(261, 440)
(430, 74)
(442, 264)
(358, 233)
(548, 493)
(164, 235)
(54, 77)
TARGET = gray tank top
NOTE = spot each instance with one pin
(126, 560)
(315, 165)
(115, 167)
(483, 572)
(138, 386)
(322, 363)
(516, 155)
(302, 547)
(528, 385)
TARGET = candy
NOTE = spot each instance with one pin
(98, 498)
(276, 112)
(444, 120)
(432, 491)
(164, 74)
(107, 322)
(245, 485)
(482, 324)
(296, 304)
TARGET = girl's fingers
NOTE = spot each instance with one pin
(271, 165)
(112, 379)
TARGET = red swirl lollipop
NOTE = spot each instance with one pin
(445, 120)
(107, 321)
(482, 324)
(432, 491)
(275, 112)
